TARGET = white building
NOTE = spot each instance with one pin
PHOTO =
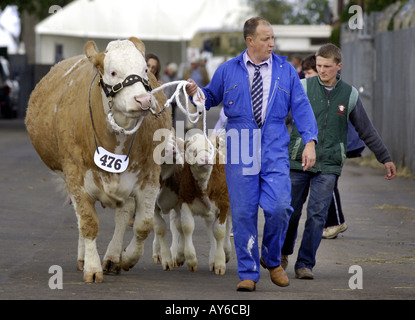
(301, 39)
(165, 26)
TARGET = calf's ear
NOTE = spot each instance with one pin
(139, 45)
(96, 58)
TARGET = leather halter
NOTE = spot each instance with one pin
(110, 91)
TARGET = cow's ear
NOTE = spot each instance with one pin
(96, 58)
(139, 45)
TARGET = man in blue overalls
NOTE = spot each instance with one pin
(257, 167)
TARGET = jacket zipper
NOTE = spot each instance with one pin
(272, 95)
(324, 129)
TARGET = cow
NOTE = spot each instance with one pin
(90, 120)
(198, 188)
(167, 201)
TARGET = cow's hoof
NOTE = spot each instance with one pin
(168, 266)
(109, 266)
(80, 265)
(220, 270)
(91, 277)
(157, 259)
(192, 265)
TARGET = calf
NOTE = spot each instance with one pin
(198, 188)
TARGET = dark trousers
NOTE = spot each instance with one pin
(335, 213)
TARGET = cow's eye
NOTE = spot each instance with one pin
(114, 74)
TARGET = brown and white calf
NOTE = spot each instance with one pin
(81, 120)
(198, 188)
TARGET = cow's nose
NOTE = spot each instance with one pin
(143, 101)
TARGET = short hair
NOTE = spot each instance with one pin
(309, 63)
(328, 51)
(251, 25)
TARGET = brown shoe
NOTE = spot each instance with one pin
(304, 273)
(246, 285)
(278, 275)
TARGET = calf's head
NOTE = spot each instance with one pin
(123, 72)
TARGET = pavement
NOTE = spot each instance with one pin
(373, 260)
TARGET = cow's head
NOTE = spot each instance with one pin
(123, 72)
(198, 155)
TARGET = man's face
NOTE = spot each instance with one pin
(327, 69)
(262, 44)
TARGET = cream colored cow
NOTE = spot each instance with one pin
(90, 121)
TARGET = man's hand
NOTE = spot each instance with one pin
(309, 155)
(191, 88)
(390, 170)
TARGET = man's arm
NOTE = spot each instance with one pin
(368, 133)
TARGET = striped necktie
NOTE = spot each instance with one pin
(256, 95)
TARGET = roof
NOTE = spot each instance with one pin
(166, 20)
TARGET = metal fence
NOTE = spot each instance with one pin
(382, 66)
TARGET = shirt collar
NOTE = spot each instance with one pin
(246, 58)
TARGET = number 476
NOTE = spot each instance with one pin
(111, 161)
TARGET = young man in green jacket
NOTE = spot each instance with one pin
(334, 102)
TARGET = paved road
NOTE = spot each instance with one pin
(38, 230)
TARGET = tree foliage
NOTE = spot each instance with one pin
(289, 12)
(274, 11)
(38, 8)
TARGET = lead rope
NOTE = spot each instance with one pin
(199, 99)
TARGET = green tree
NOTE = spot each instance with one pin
(310, 12)
(275, 11)
(377, 5)
(38, 8)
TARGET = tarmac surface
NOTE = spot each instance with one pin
(38, 230)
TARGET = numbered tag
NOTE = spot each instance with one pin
(110, 162)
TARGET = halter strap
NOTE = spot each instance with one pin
(110, 91)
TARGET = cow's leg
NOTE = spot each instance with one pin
(209, 221)
(88, 229)
(156, 242)
(143, 225)
(177, 239)
(219, 231)
(161, 251)
(188, 226)
(81, 243)
(227, 246)
(112, 258)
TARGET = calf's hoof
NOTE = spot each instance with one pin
(80, 265)
(91, 277)
(109, 266)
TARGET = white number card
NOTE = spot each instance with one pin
(111, 162)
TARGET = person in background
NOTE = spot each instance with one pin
(153, 64)
(170, 75)
(296, 62)
(309, 66)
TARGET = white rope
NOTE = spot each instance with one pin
(198, 99)
(117, 128)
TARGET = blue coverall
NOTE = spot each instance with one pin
(260, 176)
